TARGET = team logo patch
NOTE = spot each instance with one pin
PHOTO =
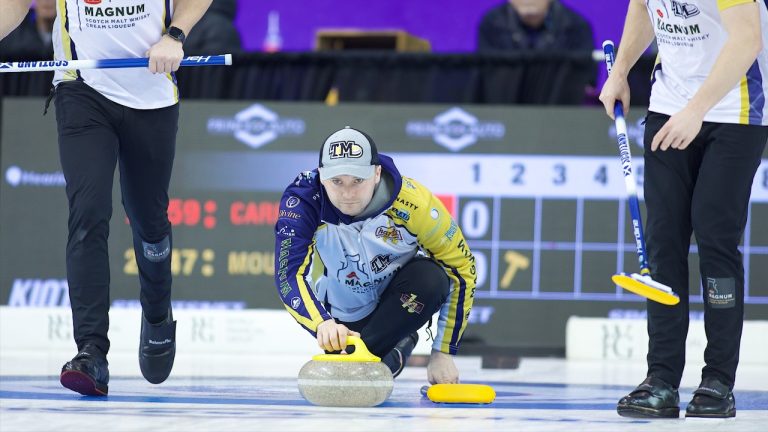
(353, 274)
(380, 262)
(451, 231)
(305, 176)
(345, 149)
(410, 304)
(721, 292)
(292, 202)
(402, 214)
(295, 303)
(684, 10)
(389, 234)
(287, 231)
(288, 214)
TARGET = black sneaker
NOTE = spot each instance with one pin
(157, 348)
(87, 373)
(653, 398)
(712, 399)
(397, 358)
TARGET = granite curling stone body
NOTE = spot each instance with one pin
(359, 379)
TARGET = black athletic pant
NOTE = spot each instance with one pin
(415, 293)
(703, 190)
(95, 135)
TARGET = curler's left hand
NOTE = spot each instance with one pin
(441, 369)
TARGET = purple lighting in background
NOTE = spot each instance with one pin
(450, 25)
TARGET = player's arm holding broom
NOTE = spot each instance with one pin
(165, 56)
(638, 35)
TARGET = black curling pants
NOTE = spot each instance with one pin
(415, 293)
(703, 190)
(95, 136)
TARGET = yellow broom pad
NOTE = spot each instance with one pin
(646, 287)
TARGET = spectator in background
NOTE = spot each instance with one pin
(533, 25)
(215, 33)
(32, 38)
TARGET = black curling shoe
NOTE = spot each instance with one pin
(87, 373)
(712, 399)
(157, 348)
(397, 358)
(653, 398)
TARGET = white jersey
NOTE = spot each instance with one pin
(100, 29)
(690, 36)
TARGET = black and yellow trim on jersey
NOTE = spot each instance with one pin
(167, 16)
(307, 295)
(423, 215)
(725, 4)
(751, 85)
(752, 96)
(67, 44)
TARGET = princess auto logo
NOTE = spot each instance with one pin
(256, 126)
(455, 129)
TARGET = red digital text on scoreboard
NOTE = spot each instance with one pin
(205, 213)
(193, 212)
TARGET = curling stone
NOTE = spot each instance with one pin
(359, 379)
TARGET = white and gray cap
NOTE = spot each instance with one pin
(348, 151)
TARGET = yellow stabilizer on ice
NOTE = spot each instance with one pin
(644, 286)
(460, 393)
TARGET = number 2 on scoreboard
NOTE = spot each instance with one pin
(518, 170)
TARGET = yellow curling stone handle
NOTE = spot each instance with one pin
(361, 353)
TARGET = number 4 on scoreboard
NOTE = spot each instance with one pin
(601, 176)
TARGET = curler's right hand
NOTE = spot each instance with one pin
(332, 336)
(616, 88)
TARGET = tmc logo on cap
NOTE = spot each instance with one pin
(345, 149)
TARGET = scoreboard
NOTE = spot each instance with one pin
(538, 192)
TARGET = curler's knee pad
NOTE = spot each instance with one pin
(157, 252)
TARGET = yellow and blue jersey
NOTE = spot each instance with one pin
(328, 264)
